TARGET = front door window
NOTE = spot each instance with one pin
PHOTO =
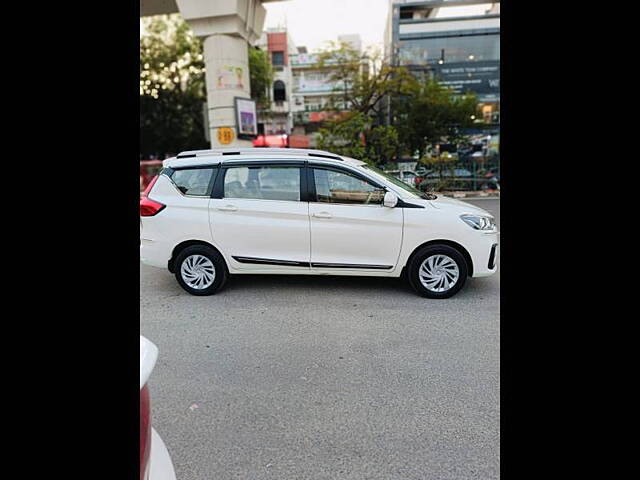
(339, 187)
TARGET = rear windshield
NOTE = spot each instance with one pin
(194, 181)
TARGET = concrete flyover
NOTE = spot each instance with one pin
(225, 27)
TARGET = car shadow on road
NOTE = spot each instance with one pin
(320, 283)
(301, 285)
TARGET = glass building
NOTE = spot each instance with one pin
(455, 41)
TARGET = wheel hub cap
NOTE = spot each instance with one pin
(439, 273)
(198, 272)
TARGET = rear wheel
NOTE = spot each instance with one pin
(437, 271)
(200, 270)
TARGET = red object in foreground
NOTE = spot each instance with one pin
(299, 141)
(145, 431)
(282, 141)
(271, 141)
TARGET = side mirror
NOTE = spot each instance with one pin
(390, 200)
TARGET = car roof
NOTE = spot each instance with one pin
(223, 155)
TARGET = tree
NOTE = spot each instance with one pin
(430, 114)
(344, 136)
(172, 86)
(362, 79)
(261, 74)
(361, 82)
(353, 136)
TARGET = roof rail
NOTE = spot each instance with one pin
(259, 151)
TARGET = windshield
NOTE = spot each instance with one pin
(398, 183)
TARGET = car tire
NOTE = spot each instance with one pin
(200, 270)
(437, 271)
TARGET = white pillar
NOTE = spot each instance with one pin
(227, 76)
(225, 27)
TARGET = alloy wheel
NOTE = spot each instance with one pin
(439, 273)
(198, 272)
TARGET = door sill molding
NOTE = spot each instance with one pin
(293, 263)
(351, 265)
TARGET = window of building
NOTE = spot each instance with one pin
(456, 49)
(263, 183)
(277, 58)
(279, 91)
(338, 187)
(412, 12)
(193, 181)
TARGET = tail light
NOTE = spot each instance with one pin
(148, 207)
(418, 180)
(145, 432)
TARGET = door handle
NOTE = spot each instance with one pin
(228, 208)
(322, 215)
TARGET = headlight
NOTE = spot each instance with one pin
(479, 222)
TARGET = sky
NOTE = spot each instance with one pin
(312, 22)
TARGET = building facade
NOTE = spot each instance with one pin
(277, 119)
(455, 41)
(302, 95)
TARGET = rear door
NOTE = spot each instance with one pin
(350, 228)
(257, 216)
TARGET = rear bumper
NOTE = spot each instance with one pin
(160, 465)
(153, 253)
(484, 262)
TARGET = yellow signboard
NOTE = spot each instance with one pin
(225, 135)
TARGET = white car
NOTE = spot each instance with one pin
(155, 462)
(212, 213)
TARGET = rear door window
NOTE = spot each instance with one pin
(263, 183)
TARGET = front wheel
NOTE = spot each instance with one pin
(200, 270)
(437, 271)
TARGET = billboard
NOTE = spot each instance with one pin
(246, 118)
(481, 77)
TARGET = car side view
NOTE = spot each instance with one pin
(212, 213)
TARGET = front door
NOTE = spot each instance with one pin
(350, 228)
(259, 221)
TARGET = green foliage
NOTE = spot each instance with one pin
(171, 123)
(261, 75)
(361, 82)
(170, 57)
(382, 144)
(344, 136)
(431, 114)
(171, 87)
(362, 79)
(353, 136)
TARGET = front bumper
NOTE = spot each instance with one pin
(484, 262)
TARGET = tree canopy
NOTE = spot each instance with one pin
(424, 111)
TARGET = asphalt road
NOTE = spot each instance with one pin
(294, 377)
